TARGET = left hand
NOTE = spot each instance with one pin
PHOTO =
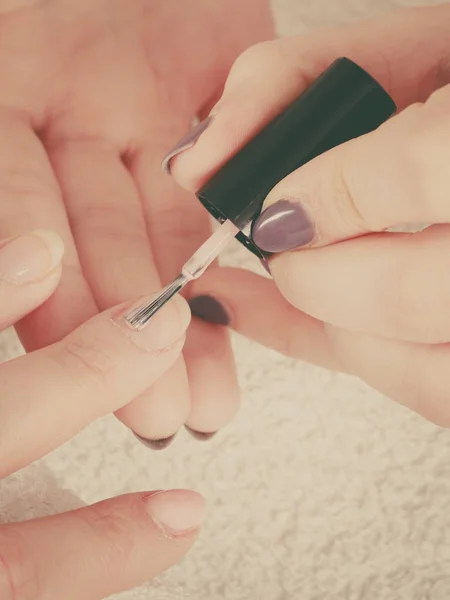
(353, 297)
(93, 94)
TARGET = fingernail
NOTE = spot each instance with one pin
(30, 257)
(283, 226)
(209, 309)
(163, 330)
(176, 512)
(187, 142)
(199, 435)
(266, 266)
(157, 445)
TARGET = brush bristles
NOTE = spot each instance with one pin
(140, 316)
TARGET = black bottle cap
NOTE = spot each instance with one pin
(345, 102)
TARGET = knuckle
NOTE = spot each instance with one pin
(421, 132)
(113, 529)
(19, 578)
(345, 181)
(185, 226)
(87, 363)
(23, 183)
(106, 221)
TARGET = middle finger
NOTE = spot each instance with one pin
(389, 284)
(97, 369)
(109, 229)
(178, 225)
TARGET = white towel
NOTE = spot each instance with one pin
(321, 488)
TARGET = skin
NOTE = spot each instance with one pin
(93, 94)
(358, 299)
(99, 367)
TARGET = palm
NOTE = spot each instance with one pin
(93, 93)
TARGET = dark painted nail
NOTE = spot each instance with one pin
(209, 309)
(198, 435)
(266, 265)
(188, 141)
(156, 444)
(283, 226)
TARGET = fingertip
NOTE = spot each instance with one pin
(54, 245)
(209, 309)
(163, 330)
(185, 143)
(232, 123)
(30, 258)
(184, 311)
(157, 445)
(195, 162)
(284, 224)
(176, 513)
(209, 360)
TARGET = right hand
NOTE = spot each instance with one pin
(353, 297)
(50, 395)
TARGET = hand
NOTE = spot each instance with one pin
(93, 94)
(353, 297)
(46, 398)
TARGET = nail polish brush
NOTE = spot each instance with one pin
(193, 269)
(345, 102)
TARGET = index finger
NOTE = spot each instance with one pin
(96, 370)
(406, 52)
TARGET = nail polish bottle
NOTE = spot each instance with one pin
(345, 102)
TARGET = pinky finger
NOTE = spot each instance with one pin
(30, 270)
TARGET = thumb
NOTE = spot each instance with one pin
(396, 175)
(98, 550)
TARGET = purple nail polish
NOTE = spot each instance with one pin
(283, 226)
(157, 445)
(209, 309)
(188, 141)
(199, 435)
(266, 265)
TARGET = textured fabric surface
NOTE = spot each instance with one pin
(320, 488)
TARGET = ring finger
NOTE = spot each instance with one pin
(110, 232)
(415, 375)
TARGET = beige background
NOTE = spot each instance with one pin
(321, 489)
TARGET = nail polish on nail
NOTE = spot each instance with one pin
(176, 512)
(187, 142)
(209, 309)
(283, 226)
(156, 445)
(266, 265)
(199, 435)
(31, 257)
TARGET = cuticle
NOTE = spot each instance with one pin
(119, 322)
